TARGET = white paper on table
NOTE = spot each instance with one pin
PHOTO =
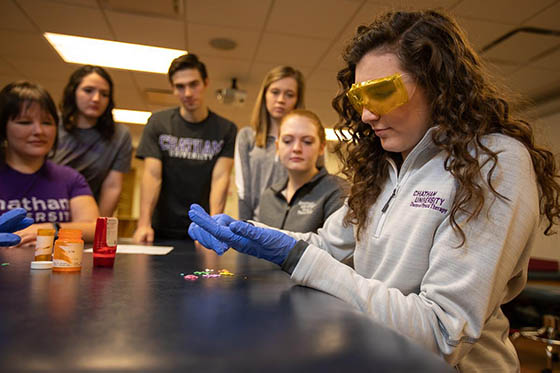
(140, 249)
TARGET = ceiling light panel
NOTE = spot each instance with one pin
(118, 55)
(131, 116)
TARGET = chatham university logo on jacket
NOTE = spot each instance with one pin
(190, 148)
(428, 199)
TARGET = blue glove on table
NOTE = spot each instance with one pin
(13, 221)
(265, 243)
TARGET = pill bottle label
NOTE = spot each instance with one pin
(68, 255)
(44, 245)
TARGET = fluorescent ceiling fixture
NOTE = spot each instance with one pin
(88, 51)
(131, 116)
(331, 136)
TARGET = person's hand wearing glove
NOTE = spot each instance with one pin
(268, 244)
(205, 238)
(13, 221)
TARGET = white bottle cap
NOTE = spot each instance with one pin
(45, 264)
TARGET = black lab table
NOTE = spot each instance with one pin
(143, 316)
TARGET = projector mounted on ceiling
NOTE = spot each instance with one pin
(232, 95)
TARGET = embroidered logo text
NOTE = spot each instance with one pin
(428, 199)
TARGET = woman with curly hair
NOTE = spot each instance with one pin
(89, 139)
(447, 189)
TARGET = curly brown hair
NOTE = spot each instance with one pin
(464, 106)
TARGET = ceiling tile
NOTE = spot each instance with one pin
(55, 87)
(151, 81)
(12, 18)
(160, 32)
(500, 69)
(7, 68)
(199, 37)
(364, 16)
(24, 44)
(167, 8)
(290, 50)
(531, 82)
(122, 78)
(499, 73)
(9, 78)
(128, 98)
(243, 14)
(333, 59)
(323, 80)
(418, 4)
(549, 18)
(86, 3)
(521, 47)
(314, 18)
(550, 61)
(320, 103)
(159, 99)
(501, 11)
(67, 19)
(482, 33)
(226, 68)
(40, 70)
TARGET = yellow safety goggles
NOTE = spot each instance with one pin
(379, 96)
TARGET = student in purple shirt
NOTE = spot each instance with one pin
(54, 196)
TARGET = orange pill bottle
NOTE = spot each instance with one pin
(44, 245)
(68, 251)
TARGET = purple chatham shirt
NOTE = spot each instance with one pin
(45, 194)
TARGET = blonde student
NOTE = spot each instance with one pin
(256, 163)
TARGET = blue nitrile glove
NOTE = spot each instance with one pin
(13, 221)
(205, 238)
(263, 243)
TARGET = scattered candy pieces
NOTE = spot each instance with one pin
(207, 273)
(5, 264)
(225, 272)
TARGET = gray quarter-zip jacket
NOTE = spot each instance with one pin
(410, 273)
(309, 207)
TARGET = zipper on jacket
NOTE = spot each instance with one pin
(384, 209)
(384, 212)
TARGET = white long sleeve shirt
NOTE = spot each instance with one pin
(410, 273)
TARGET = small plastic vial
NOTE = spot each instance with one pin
(68, 251)
(44, 245)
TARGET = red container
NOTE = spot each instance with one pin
(105, 242)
